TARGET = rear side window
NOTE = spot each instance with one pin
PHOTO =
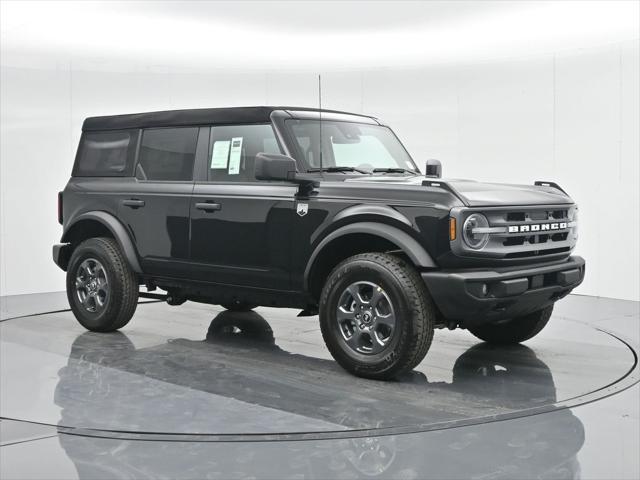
(167, 154)
(106, 154)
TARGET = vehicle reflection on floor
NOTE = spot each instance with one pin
(240, 360)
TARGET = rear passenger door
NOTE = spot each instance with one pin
(241, 227)
(156, 206)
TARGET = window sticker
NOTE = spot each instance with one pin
(234, 156)
(220, 154)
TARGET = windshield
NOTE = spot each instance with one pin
(349, 145)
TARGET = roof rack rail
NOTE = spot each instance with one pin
(541, 183)
(448, 187)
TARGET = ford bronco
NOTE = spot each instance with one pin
(318, 210)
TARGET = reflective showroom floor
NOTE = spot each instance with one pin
(197, 392)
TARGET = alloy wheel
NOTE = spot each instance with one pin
(366, 317)
(92, 285)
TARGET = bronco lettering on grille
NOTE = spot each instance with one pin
(537, 227)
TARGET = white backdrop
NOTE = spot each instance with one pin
(569, 116)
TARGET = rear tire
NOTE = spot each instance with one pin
(376, 316)
(515, 330)
(101, 287)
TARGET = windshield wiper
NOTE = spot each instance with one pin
(338, 169)
(395, 170)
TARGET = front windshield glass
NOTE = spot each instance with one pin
(352, 145)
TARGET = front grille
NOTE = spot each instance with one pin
(521, 232)
(532, 239)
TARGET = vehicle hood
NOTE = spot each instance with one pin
(478, 194)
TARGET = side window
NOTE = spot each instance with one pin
(233, 150)
(167, 154)
(106, 154)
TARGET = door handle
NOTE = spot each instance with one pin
(209, 207)
(133, 203)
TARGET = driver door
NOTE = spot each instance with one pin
(241, 227)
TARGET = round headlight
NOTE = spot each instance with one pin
(573, 218)
(472, 237)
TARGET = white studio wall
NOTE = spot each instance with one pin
(568, 115)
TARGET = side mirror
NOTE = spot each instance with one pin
(270, 166)
(434, 168)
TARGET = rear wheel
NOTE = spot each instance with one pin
(376, 316)
(101, 287)
(515, 330)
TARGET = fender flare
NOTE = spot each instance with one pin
(366, 213)
(409, 245)
(117, 230)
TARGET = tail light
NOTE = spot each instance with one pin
(60, 208)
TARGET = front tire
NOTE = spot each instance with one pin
(376, 316)
(514, 330)
(101, 287)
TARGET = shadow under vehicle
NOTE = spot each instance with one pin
(486, 380)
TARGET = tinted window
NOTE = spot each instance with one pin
(167, 154)
(233, 150)
(106, 154)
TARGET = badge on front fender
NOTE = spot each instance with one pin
(302, 209)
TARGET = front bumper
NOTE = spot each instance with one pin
(473, 297)
(62, 254)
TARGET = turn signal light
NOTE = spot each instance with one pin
(452, 228)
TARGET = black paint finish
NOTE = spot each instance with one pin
(248, 239)
(262, 241)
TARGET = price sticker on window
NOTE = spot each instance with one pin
(220, 154)
(235, 155)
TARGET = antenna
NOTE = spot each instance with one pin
(320, 117)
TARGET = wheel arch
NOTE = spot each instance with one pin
(360, 237)
(98, 223)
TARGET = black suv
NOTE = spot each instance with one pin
(323, 211)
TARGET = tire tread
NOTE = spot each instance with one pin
(420, 303)
(125, 289)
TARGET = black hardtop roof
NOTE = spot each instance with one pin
(198, 116)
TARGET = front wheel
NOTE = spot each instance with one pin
(101, 287)
(514, 330)
(376, 316)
